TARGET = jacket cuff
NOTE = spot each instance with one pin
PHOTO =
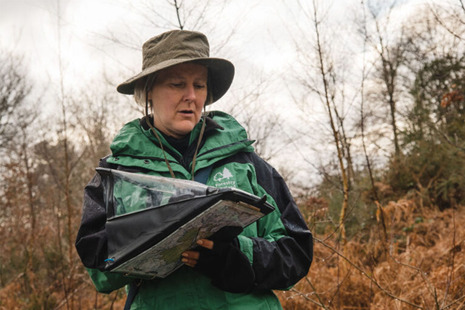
(106, 282)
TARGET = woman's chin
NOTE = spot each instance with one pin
(181, 131)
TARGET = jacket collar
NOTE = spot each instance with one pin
(224, 137)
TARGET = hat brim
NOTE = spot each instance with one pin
(221, 75)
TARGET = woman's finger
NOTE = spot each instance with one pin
(208, 244)
(191, 255)
(189, 262)
(190, 258)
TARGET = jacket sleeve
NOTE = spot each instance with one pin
(91, 240)
(283, 252)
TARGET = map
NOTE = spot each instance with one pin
(165, 257)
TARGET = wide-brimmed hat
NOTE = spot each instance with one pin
(180, 46)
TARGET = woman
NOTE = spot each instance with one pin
(177, 81)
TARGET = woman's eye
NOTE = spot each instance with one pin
(200, 86)
(177, 84)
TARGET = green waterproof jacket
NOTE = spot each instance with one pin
(278, 247)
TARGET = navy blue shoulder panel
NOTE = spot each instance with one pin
(279, 264)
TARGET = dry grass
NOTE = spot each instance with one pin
(422, 266)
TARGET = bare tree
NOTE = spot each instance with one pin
(59, 160)
(392, 44)
(364, 31)
(18, 190)
(13, 91)
(327, 93)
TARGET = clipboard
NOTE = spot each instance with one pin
(151, 220)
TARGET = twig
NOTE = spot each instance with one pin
(317, 295)
(113, 300)
(454, 302)
(181, 26)
(339, 286)
(441, 23)
(452, 260)
(66, 300)
(305, 296)
(367, 276)
(430, 287)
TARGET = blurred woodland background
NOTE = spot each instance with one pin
(368, 128)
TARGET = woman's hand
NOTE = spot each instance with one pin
(190, 258)
(221, 259)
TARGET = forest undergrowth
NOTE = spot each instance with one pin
(421, 265)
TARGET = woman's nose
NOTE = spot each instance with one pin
(189, 93)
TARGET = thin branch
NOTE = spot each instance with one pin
(462, 5)
(450, 275)
(322, 304)
(367, 276)
(454, 302)
(442, 24)
(307, 298)
(178, 7)
(324, 78)
(430, 287)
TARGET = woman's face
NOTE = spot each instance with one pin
(178, 97)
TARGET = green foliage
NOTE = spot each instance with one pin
(433, 172)
(439, 102)
(432, 166)
(361, 210)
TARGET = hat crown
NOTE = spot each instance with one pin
(174, 45)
